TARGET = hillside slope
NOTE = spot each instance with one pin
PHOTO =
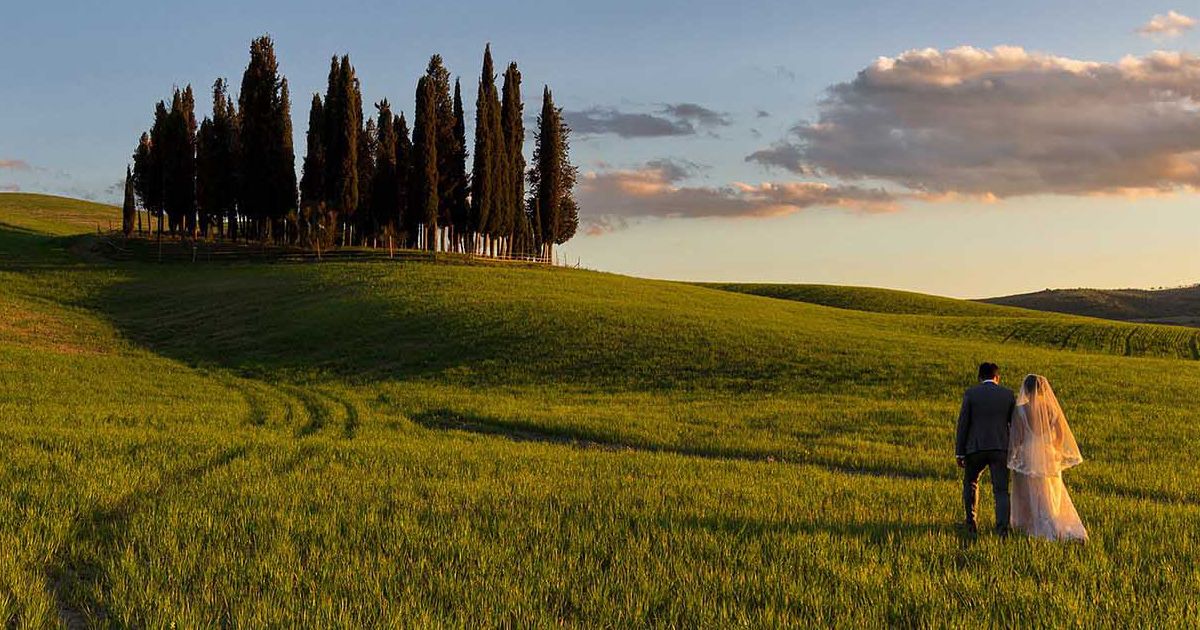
(1179, 306)
(351, 444)
(866, 299)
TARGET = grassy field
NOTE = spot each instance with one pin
(421, 444)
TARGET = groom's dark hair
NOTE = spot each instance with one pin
(988, 371)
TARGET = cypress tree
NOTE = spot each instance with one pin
(146, 182)
(312, 184)
(552, 180)
(367, 141)
(424, 182)
(268, 177)
(385, 207)
(489, 154)
(343, 125)
(179, 162)
(460, 205)
(158, 167)
(205, 186)
(404, 219)
(516, 227)
(129, 208)
(450, 175)
(284, 162)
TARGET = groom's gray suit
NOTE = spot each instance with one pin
(982, 442)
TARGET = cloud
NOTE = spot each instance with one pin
(696, 114)
(16, 165)
(677, 119)
(1168, 26)
(762, 113)
(10, 188)
(1006, 122)
(115, 190)
(605, 120)
(783, 154)
(614, 198)
(676, 169)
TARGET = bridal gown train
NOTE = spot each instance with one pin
(1041, 448)
(1042, 508)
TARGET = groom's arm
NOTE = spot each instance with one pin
(964, 424)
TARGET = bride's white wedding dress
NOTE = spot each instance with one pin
(1041, 447)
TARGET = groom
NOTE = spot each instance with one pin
(982, 442)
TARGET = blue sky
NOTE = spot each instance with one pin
(80, 84)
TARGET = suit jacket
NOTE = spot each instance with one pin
(983, 421)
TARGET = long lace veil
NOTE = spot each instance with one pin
(1041, 443)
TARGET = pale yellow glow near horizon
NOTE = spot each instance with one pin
(966, 250)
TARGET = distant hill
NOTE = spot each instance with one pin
(868, 299)
(53, 215)
(1164, 306)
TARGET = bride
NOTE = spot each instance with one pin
(1041, 447)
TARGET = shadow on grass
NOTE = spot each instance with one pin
(875, 532)
(365, 322)
(283, 324)
(445, 419)
(24, 250)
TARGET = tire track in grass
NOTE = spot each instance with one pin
(316, 411)
(72, 577)
(325, 409)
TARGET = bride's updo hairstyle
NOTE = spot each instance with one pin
(1031, 384)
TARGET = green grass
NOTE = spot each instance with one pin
(870, 299)
(409, 443)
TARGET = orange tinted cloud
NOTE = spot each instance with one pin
(1005, 122)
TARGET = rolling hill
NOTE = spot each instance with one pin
(1179, 306)
(367, 443)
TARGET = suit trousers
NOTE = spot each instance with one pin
(997, 463)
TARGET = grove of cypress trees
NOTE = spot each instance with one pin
(489, 156)
(423, 205)
(515, 226)
(551, 180)
(129, 207)
(268, 173)
(362, 176)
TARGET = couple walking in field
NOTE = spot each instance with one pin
(1026, 433)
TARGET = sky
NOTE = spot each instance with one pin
(961, 148)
